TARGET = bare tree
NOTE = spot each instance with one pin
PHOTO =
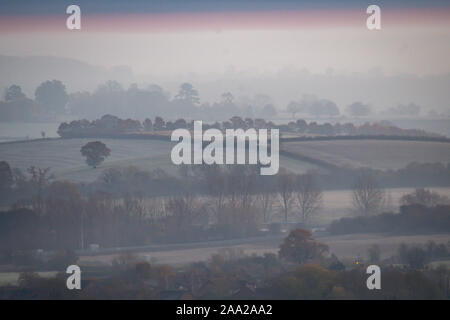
(265, 201)
(184, 212)
(285, 183)
(368, 196)
(40, 179)
(308, 195)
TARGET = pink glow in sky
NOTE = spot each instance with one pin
(273, 20)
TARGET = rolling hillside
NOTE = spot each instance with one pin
(377, 154)
(64, 158)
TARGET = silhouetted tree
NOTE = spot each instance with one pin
(424, 197)
(52, 95)
(293, 108)
(95, 152)
(188, 94)
(14, 93)
(358, 109)
(300, 247)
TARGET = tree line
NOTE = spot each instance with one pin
(111, 126)
(302, 268)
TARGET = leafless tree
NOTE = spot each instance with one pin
(183, 212)
(368, 196)
(265, 202)
(285, 183)
(308, 195)
(39, 179)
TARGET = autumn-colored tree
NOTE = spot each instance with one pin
(164, 274)
(95, 153)
(300, 247)
(307, 282)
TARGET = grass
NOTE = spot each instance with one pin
(12, 278)
(377, 154)
(64, 158)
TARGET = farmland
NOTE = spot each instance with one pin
(12, 278)
(64, 158)
(347, 247)
(376, 154)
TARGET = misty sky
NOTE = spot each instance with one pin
(173, 37)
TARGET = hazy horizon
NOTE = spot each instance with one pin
(285, 49)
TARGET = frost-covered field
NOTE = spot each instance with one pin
(346, 247)
(377, 154)
(64, 158)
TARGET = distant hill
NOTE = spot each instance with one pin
(30, 71)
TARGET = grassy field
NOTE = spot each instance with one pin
(11, 278)
(377, 154)
(65, 160)
(344, 246)
(338, 204)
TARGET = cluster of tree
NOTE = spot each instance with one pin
(382, 128)
(109, 125)
(202, 203)
(317, 282)
(417, 257)
(411, 219)
(359, 109)
(301, 270)
(138, 102)
(312, 106)
(113, 211)
(315, 107)
(408, 110)
(412, 175)
(50, 99)
(425, 197)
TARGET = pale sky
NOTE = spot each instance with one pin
(403, 49)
